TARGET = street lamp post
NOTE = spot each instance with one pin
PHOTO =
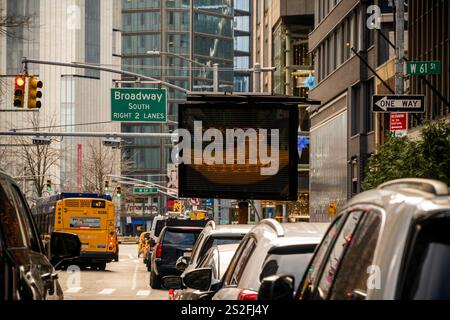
(214, 68)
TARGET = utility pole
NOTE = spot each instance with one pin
(216, 77)
(400, 45)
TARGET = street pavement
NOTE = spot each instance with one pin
(127, 279)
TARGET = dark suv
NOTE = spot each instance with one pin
(173, 242)
(25, 270)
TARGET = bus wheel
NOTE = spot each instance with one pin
(82, 266)
(101, 266)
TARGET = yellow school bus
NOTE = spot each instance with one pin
(90, 216)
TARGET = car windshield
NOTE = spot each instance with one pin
(428, 276)
(181, 237)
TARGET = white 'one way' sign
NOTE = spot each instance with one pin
(398, 103)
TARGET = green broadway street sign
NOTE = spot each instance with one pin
(139, 105)
(423, 68)
(141, 190)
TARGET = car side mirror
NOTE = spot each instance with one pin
(63, 246)
(172, 282)
(277, 288)
(198, 279)
(182, 263)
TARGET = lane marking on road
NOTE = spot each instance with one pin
(133, 283)
(107, 291)
(143, 293)
(74, 290)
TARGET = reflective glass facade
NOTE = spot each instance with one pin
(242, 45)
(198, 30)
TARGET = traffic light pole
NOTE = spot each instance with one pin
(87, 134)
(26, 61)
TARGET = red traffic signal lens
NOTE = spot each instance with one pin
(20, 82)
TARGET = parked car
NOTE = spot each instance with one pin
(268, 248)
(172, 243)
(392, 242)
(217, 260)
(158, 223)
(212, 235)
(144, 236)
(26, 271)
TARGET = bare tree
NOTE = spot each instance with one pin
(99, 163)
(38, 159)
(96, 166)
(10, 25)
(13, 27)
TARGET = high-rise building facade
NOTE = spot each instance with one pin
(73, 98)
(349, 40)
(280, 41)
(429, 27)
(243, 46)
(177, 41)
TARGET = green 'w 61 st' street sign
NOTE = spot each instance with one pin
(423, 68)
(139, 105)
(141, 190)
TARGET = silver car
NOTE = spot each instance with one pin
(392, 242)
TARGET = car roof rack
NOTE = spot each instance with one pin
(212, 224)
(431, 186)
(275, 225)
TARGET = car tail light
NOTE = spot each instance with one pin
(248, 295)
(159, 250)
(171, 294)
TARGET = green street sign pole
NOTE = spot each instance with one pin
(423, 68)
(139, 105)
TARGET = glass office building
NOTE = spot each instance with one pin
(176, 31)
(242, 46)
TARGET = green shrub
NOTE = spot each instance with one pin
(404, 158)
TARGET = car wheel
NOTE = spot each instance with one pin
(155, 282)
(116, 258)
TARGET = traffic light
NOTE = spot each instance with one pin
(118, 192)
(106, 186)
(49, 185)
(33, 92)
(19, 91)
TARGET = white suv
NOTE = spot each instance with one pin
(270, 248)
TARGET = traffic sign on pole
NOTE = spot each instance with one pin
(139, 105)
(142, 190)
(398, 124)
(423, 68)
(398, 103)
